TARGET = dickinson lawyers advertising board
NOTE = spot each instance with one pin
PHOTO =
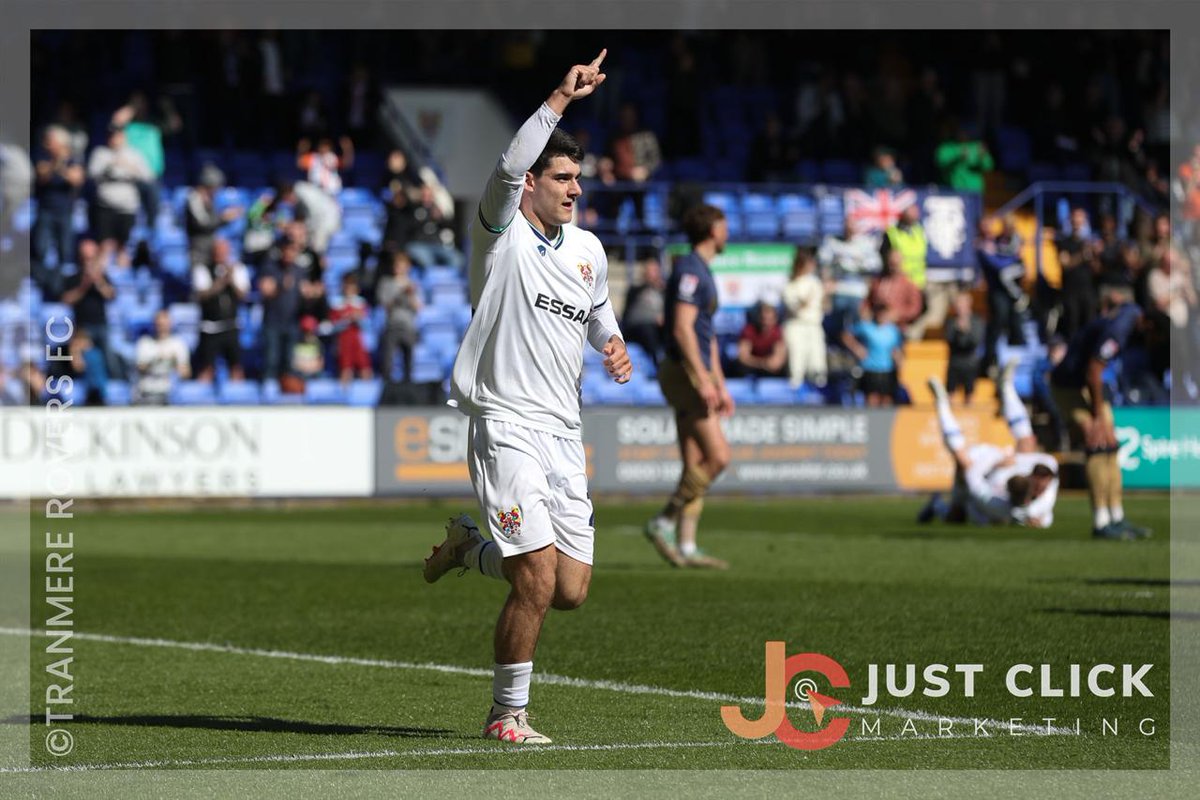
(355, 452)
(192, 452)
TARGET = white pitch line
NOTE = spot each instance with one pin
(538, 677)
(501, 750)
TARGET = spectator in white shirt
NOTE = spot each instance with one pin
(804, 298)
(161, 358)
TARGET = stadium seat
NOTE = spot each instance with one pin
(831, 212)
(426, 366)
(798, 214)
(759, 214)
(840, 172)
(273, 396)
(364, 393)
(117, 393)
(324, 391)
(448, 295)
(741, 390)
(1014, 149)
(57, 312)
(648, 393)
(693, 170)
(729, 321)
(777, 391)
(184, 314)
(609, 393)
(239, 393)
(358, 197)
(192, 393)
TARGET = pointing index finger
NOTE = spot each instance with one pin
(599, 59)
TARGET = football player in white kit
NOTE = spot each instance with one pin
(995, 485)
(539, 290)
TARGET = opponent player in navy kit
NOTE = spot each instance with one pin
(1078, 388)
(694, 385)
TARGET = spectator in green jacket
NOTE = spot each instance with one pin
(144, 133)
(962, 162)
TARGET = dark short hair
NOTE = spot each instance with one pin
(1018, 491)
(698, 222)
(804, 255)
(1042, 471)
(561, 144)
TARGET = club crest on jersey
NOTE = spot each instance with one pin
(542, 249)
(510, 521)
(688, 284)
(585, 272)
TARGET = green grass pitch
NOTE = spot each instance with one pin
(305, 637)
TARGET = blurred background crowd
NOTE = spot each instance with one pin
(225, 218)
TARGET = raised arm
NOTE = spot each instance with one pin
(502, 194)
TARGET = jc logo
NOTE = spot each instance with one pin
(780, 669)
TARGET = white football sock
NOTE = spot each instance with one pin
(510, 684)
(486, 558)
(952, 434)
(1015, 412)
(1117, 512)
(1101, 518)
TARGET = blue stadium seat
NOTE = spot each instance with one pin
(184, 314)
(175, 262)
(358, 197)
(648, 393)
(117, 393)
(1014, 149)
(192, 393)
(239, 393)
(831, 212)
(799, 216)
(365, 393)
(760, 217)
(776, 391)
(447, 295)
(609, 393)
(427, 371)
(273, 396)
(741, 390)
(726, 201)
(232, 197)
(435, 275)
(691, 170)
(324, 391)
(248, 168)
(840, 172)
(436, 315)
(654, 212)
(729, 321)
(809, 395)
(58, 312)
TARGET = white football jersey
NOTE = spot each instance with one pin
(521, 359)
(1042, 506)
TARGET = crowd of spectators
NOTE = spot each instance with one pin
(875, 101)
(851, 305)
(896, 103)
(279, 261)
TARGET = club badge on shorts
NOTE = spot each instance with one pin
(510, 521)
(585, 271)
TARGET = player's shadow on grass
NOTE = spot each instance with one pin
(249, 724)
(1178, 616)
(1162, 583)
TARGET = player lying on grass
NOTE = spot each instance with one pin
(539, 289)
(995, 485)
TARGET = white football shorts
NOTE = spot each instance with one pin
(532, 488)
